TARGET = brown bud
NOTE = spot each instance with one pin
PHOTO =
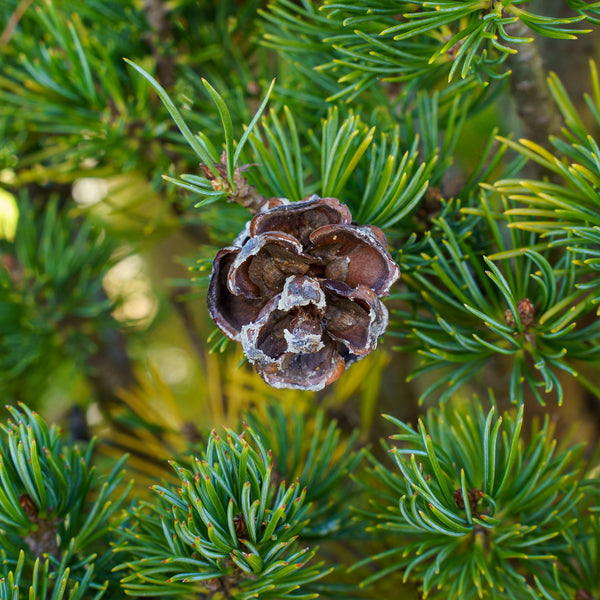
(473, 497)
(238, 190)
(28, 506)
(239, 523)
(526, 312)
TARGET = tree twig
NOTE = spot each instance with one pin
(157, 15)
(534, 103)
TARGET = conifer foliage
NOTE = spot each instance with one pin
(356, 189)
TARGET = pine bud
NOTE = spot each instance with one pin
(526, 312)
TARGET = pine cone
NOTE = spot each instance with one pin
(300, 290)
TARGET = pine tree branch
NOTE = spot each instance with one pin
(182, 308)
(157, 15)
(529, 87)
(112, 369)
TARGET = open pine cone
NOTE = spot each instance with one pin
(300, 290)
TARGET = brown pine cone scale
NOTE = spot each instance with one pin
(301, 289)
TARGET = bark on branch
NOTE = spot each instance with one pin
(534, 103)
